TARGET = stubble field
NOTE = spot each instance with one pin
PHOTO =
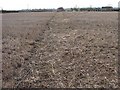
(60, 50)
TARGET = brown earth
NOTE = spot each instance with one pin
(60, 50)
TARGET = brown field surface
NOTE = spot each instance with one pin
(60, 50)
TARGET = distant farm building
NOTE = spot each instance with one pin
(107, 8)
(60, 9)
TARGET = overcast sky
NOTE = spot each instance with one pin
(32, 4)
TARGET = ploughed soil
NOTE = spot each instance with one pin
(60, 50)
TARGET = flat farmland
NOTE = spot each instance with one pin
(60, 50)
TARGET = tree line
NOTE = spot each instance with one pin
(67, 9)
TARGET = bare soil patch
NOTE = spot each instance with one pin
(60, 50)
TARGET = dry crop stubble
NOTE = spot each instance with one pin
(65, 49)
